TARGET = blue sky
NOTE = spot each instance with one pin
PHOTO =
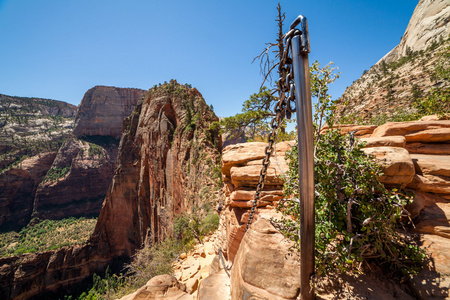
(59, 49)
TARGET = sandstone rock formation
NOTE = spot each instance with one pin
(406, 74)
(17, 189)
(160, 287)
(241, 165)
(51, 274)
(264, 268)
(77, 182)
(87, 162)
(167, 154)
(166, 165)
(425, 174)
(429, 22)
(29, 126)
(102, 110)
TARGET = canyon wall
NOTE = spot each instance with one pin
(413, 71)
(77, 182)
(103, 109)
(166, 165)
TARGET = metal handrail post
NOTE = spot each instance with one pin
(300, 50)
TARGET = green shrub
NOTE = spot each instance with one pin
(357, 220)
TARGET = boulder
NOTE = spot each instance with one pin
(418, 131)
(396, 162)
(434, 118)
(431, 164)
(361, 130)
(240, 154)
(385, 141)
(161, 287)
(428, 148)
(262, 258)
(215, 286)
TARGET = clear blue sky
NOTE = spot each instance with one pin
(59, 49)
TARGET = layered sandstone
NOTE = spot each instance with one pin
(241, 165)
(165, 166)
(429, 22)
(103, 109)
(82, 174)
(17, 189)
(87, 162)
(406, 74)
(256, 262)
(166, 155)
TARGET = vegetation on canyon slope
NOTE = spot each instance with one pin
(43, 235)
(409, 88)
(29, 126)
(153, 260)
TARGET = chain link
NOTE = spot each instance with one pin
(283, 108)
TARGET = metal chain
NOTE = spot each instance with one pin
(282, 109)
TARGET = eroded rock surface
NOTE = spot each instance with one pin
(17, 190)
(164, 161)
(102, 110)
(77, 182)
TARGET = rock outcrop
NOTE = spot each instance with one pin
(257, 255)
(29, 126)
(262, 260)
(395, 85)
(78, 180)
(167, 152)
(17, 189)
(102, 110)
(429, 22)
(241, 165)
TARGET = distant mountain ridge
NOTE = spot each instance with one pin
(32, 125)
(416, 69)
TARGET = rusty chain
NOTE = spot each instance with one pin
(282, 109)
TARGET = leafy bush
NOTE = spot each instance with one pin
(357, 218)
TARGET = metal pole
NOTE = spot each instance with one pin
(300, 49)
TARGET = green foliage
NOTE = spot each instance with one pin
(357, 218)
(437, 102)
(188, 228)
(56, 173)
(46, 235)
(95, 150)
(254, 119)
(152, 260)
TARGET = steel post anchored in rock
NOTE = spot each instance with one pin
(300, 50)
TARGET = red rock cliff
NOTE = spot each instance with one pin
(166, 155)
(103, 109)
(86, 165)
(165, 165)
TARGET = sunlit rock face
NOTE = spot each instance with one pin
(103, 109)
